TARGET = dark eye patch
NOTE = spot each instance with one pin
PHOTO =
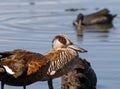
(61, 39)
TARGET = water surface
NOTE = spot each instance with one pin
(32, 24)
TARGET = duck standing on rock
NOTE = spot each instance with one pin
(21, 67)
(101, 17)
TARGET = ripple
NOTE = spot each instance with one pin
(33, 27)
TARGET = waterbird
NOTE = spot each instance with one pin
(82, 76)
(102, 17)
(21, 67)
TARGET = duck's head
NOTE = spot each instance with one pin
(62, 41)
(79, 19)
(78, 24)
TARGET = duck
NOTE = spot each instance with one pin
(102, 17)
(82, 76)
(22, 67)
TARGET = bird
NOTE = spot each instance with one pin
(22, 67)
(102, 17)
(82, 76)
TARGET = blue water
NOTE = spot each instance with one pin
(32, 24)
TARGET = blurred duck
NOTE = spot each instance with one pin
(101, 17)
(20, 67)
(81, 77)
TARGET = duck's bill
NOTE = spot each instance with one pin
(75, 47)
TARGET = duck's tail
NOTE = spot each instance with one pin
(2, 70)
(3, 55)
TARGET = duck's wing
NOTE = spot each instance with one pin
(98, 13)
(59, 59)
(100, 20)
(17, 62)
(97, 17)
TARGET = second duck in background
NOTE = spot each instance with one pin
(101, 17)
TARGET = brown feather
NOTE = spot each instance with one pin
(20, 60)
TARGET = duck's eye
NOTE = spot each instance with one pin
(62, 39)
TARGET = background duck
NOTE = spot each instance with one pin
(21, 67)
(100, 18)
(81, 77)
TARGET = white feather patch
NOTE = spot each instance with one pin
(57, 44)
(53, 72)
(8, 70)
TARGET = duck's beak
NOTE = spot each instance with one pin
(75, 47)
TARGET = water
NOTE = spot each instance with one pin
(32, 24)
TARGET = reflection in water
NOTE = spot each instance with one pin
(98, 28)
(95, 33)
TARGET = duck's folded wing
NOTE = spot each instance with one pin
(98, 13)
(37, 63)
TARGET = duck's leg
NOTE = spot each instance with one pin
(24, 87)
(2, 85)
(50, 84)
